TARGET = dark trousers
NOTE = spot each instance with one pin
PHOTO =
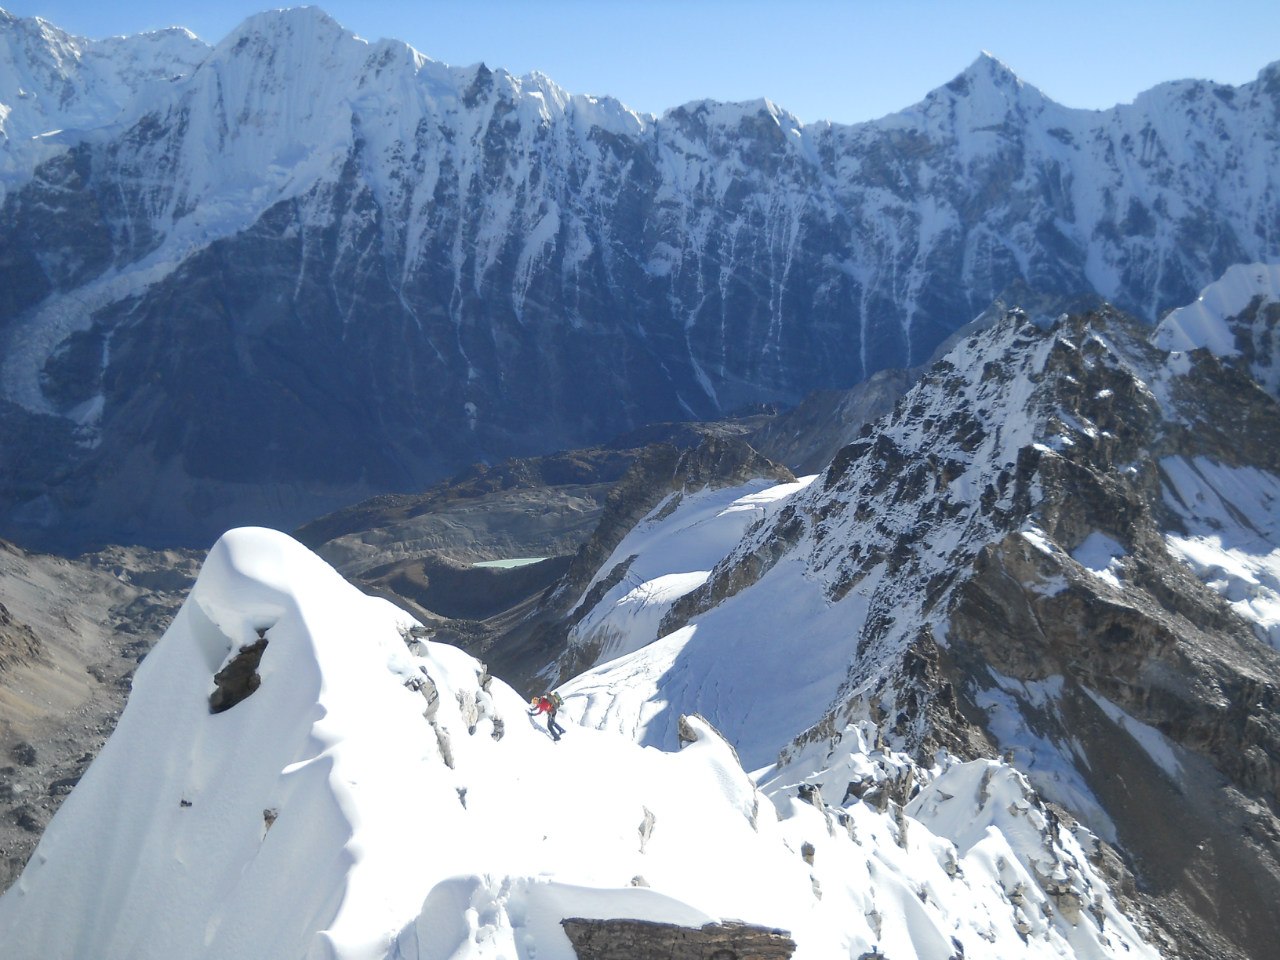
(552, 727)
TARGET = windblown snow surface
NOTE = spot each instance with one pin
(669, 553)
(379, 796)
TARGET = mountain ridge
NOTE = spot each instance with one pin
(380, 790)
(453, 257)
(1060, 548)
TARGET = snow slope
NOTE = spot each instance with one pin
(829, 615)
(1231, 539)
(1230, 512)
(380, 796)
(666, 555)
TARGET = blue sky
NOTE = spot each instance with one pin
(842, 60)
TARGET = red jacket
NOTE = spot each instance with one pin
(544, 706)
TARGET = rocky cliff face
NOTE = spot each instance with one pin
(1060, 548)
(1079, 640)
(305, 269)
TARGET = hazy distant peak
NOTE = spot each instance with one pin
(165, 32)
(989, 73)
(392, 49)
(989, 62)
(282, 24)
(35, 27)
(730, 112)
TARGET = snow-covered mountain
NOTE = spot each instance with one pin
(1061, 547)
(263, 279)
(58, 87)
(1235, 319)
(369, 794)
(1001, 681)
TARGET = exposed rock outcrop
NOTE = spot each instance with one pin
(237, 681)
(18, 642)
(645, 939)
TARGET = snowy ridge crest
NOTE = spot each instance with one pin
(402, 798)
(1235, 316)
(282, 104)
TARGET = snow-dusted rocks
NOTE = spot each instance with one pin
(622, 939)
(379, 795)
(464, 265)
(1059, 548)
(1235, 317)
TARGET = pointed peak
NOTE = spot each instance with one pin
(988, 79)
(539, 82)
(985, 72)
(989, 62)
(33, 24)
(298, 14)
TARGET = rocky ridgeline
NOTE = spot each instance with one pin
(1157, 643)
(1131, 689)
(641, 939)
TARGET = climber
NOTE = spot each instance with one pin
(548, 703)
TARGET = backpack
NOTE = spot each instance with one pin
(557, 701)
